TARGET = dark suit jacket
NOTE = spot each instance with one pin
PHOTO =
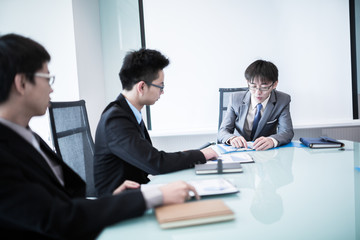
(123, 152)
(34, 205)
(275, 122)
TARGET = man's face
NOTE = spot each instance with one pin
(37, 95)
(261, 90)
(153, 92)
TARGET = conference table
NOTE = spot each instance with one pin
(290, 192)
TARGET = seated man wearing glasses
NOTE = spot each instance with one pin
(41, 197)
(261, 114)
(123, 149)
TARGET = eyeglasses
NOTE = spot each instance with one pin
(158, 86)
(262, 89)
(50, 78)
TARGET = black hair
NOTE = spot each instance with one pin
(142, 65)
(264, 70)
(19, 54)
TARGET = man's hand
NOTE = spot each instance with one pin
(126, 185)
(263, 143)
(209, 153)
(238, 142)
(177, 192)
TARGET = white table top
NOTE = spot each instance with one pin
(288, 193)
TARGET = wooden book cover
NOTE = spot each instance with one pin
(193, 213)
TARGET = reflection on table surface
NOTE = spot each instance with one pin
(288, 193)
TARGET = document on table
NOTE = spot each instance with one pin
(205, 187)
(224, 148)
(215, 186)
(240, 157)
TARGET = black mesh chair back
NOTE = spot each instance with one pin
(224, 100)
(72, 139)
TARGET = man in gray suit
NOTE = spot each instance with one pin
(260, 114)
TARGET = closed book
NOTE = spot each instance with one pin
(321, 142)
(193, 213)
(218, 167)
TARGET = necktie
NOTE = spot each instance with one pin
(256, 120)
(142, 127)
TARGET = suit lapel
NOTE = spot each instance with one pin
(243, 111)
(26, 151)
(267, 113)
(14, 140)
(121, 101)
(147, 136)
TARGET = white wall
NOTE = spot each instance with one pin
(211, 42)
(89, 58)
(51, 24)
(70, 31)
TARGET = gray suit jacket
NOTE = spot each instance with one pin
(275, 122)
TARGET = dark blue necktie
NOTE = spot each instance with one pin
(256, 120)
(142, 127)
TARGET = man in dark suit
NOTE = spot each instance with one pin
(40, 196)
(123, 149)
(262, 102)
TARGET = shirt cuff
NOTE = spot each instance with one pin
(274, 141)
(216, 149)
(153, 196)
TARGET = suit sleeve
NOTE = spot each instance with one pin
(285, 131)
(125, 141)
(30, 204)
(227, 126)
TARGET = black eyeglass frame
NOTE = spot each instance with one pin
(158, 86)
(262, 89)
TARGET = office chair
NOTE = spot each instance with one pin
(72, 139)
(224, 100)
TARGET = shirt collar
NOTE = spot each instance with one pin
(136, 112)
(264, 103)
(26, 133)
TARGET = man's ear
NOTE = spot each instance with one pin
(275, 84)
(140, 87)
(19, 83)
